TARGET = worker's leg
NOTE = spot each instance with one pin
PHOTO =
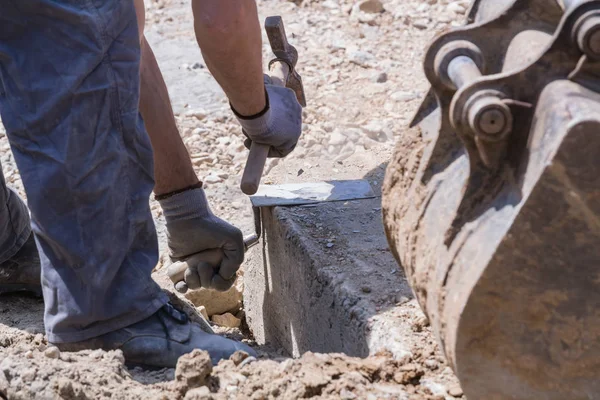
(70, 78)
(19, 261)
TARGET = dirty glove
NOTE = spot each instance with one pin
(192, 228)
(279, 125)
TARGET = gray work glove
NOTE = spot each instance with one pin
(192, 228)
(279, 126)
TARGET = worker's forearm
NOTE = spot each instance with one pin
(228, 33)
(173, 168)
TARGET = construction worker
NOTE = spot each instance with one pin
(70, 100)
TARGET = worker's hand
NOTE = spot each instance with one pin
(280, 126)
(192, 228)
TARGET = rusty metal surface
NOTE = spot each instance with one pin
(287, 53)
(495, 214)
(529, 327)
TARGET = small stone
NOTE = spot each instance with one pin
(201, 393)
(371, 6)
(455, 391)
(456, 8)
(345, 394)
(337, 139)
(381, 77)
(401, 299)
(203, 312)
(330, 245)
(227, 320)
(366, 289)
(431, 364)
(420, 323)
(361, 58)
(29, 354)
(421, 23)
(403, 96)
(52, 352)
(210, 179)
(193, 368)
(197, 65)
(238, 357)
(97, 354)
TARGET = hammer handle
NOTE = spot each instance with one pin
(254, 167)
(259, 152)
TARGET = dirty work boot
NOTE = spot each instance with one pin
(159, 341)
(22, 271)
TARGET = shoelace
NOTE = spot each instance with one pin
(178, 315)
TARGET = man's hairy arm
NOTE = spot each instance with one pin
(229, 36)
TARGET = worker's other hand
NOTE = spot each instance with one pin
(279, 126)
(191, 229)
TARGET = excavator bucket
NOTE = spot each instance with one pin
(492, 199)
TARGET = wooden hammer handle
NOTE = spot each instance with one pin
(259, 152)
(254, 167)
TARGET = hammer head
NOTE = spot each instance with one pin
(287, 53)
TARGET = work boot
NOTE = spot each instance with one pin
(22, 271)
(159, 341)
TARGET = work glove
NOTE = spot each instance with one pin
(279, 126)
(192, 229)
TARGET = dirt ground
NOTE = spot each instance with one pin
(361, 66)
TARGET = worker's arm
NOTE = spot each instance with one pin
(191, 226)
(173, 168)
(229, 35)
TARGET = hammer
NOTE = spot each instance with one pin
(283, 73)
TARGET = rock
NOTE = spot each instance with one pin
(420, 323)
(68, 389)
(193, 368)
(404, 96)
(201, 393)
(431, 364)
(337, 138)
(371, 6)
(198, 114)
(212, 179)
(52, 352)
(400, 299)
(381, 77)
(361, 58)
(238, 357)
(422, 23)
(218, 302)
(455, 391)
(202, 311)
(4, 384)
(227, 320)
(457, 8)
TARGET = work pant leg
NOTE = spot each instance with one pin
(69, 74)
(15, 226)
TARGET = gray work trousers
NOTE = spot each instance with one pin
(69, 95)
